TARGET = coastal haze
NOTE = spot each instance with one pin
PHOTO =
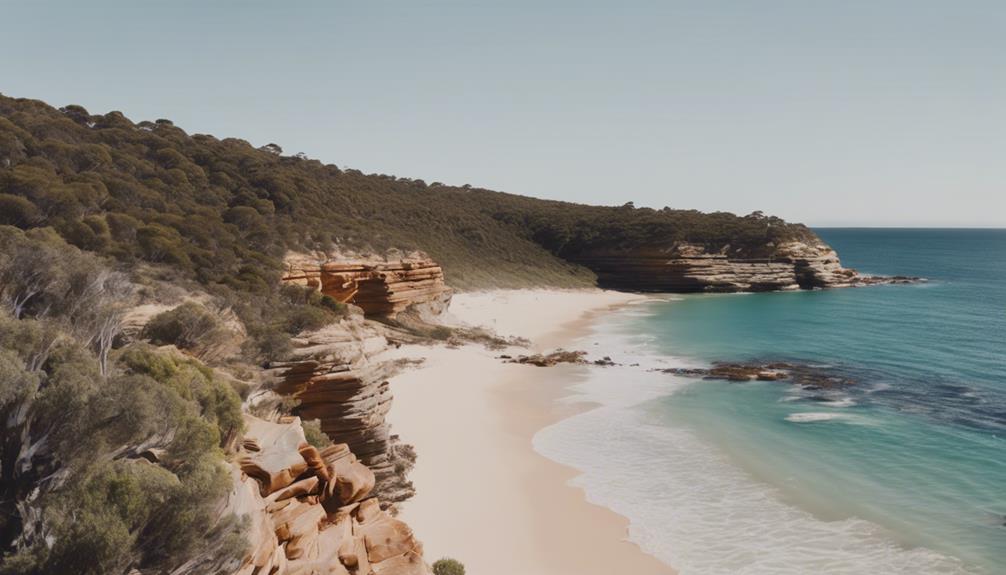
(853, 114)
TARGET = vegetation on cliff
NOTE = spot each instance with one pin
(112, 451)
(448, 566)
(224, 212)
(109, 458)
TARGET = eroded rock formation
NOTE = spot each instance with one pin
(337, 377)
(309, 512)
(685, 267)
(380, 288)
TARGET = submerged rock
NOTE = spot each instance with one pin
(803, 375)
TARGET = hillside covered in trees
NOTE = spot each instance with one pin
(115, 443)
(109, 458)
(224, 213)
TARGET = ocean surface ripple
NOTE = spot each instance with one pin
(901, 472)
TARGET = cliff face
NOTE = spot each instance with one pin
(337, 378)
(685, 267)
(311, 512)
(380, 288)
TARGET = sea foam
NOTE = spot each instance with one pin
(815, 417)
(692, 507)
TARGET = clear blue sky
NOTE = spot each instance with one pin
(840, 112)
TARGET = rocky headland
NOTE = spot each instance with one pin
(685, 267)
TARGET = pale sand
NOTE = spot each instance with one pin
(484, 496)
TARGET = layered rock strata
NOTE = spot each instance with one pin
(380, 288)
(337, 377)
(309, 511)
(685, 267)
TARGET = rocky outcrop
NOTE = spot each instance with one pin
(380, 288)
(685, 267)
(806, 376)
(548, 359)
(309, 511)
(337, 377)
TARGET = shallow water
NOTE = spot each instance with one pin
(902, 472)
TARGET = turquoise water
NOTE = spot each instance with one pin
(917, 447)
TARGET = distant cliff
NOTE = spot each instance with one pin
(225, 213)
(684, 267)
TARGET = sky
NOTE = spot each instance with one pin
(845, 112)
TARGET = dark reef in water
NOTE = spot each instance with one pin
(806, 376)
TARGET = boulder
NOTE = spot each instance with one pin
(270, 453)
(321, 522)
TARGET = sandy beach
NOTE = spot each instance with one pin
(484, 496)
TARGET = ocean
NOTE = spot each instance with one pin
(902, 471)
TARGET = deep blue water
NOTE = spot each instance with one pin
(918, 444)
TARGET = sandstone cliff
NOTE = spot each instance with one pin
(380, 288)
(310, 512)
(337, 377)
(685, 267)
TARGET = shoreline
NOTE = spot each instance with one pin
(484, 495)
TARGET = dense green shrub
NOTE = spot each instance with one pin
(268, 343)
(283, 311)
(190, 326)
(17, 211)
(441, 332)
(333, 305)
(78, 419)
(448, 566)
(314, 435)
(113, 509)
(224, 212)
(218, 402)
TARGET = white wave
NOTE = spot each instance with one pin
(843, 402)
(691, 507)
(814, 417)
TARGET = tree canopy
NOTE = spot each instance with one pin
(224, 212)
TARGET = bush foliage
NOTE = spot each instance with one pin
(79, 490)
(225, 212)
(314, 435)
(189, 326)
(448, 566)
(112, 459)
